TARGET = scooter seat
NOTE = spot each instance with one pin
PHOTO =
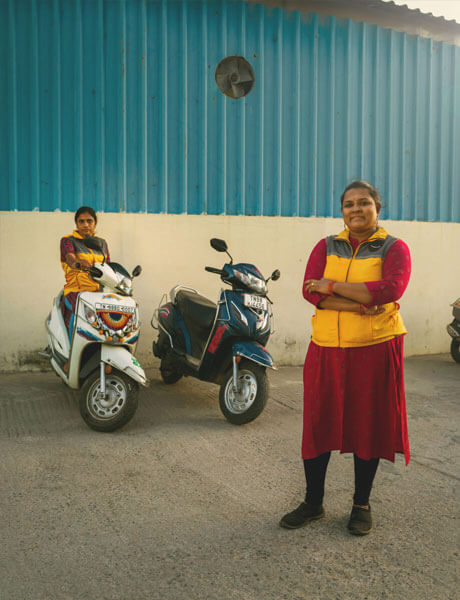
(198, 313)
(197, 308)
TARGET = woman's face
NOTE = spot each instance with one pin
(86, 225)
(359, 211)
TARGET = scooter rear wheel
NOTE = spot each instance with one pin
(245, 405)
(113, 411)
(455, 350)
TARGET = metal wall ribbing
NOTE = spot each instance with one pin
(113, 103)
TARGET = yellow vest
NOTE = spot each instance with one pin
(76, 280)
(333, 328)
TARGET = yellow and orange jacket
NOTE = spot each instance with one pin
(76, 280)
(333, 328)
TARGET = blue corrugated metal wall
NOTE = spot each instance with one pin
(114, 104)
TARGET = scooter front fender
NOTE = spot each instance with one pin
(121, 358)
(253, 351)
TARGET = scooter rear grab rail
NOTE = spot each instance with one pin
(177, 288)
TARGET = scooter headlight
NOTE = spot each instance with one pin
(125, 287)
(90, 315)
(252, 282)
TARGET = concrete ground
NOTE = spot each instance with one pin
(182, 505)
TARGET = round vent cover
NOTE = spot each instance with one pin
(235, 76)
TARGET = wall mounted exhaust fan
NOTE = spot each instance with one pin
(234, 76)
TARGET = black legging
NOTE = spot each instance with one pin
(315, 474)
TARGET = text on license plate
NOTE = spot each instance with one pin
(114, 308)
(255, 301)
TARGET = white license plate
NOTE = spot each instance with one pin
(255, 301)
(115, 308)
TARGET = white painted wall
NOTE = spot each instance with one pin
(174, 249)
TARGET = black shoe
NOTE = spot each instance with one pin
(302, 515)
(360, 522)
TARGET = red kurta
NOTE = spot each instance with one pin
(354, 397)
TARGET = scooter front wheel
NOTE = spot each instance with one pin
(455, 350)
(245, 404)
(116, 408)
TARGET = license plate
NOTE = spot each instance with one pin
(114, 308)
(255, 301)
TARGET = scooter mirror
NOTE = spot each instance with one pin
(219, 245)
(275, 275)
(137, 271)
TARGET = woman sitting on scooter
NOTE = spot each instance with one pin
(76, 259)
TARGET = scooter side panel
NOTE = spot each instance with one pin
(217, 358)
(170, 319)
(57, 330)
(253, 351)
(247, 322)
(233, 321)
(78, 345)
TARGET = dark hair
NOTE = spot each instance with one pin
(354, 185)
(86, 209)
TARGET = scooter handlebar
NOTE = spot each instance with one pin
(214, 270)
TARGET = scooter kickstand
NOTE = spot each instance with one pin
(235, 376)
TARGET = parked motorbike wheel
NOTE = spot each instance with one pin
(116, 409)
(245, 405)
(455, 350)
(168, 373)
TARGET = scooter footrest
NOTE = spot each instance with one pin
(193, 361)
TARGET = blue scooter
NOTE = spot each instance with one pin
(221, 343)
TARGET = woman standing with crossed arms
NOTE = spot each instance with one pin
(353, 374)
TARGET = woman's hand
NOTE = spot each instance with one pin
(317, 285)
(353, 291)
(85, 265)
(324, 286)
(73, 263)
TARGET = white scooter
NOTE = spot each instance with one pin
(99, 357)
